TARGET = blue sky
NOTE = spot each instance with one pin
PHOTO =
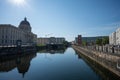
(64, 18)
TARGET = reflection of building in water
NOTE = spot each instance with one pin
(7, 65)
(79, 56)
(22, 63)
(53, 51)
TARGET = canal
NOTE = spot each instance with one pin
(48, 65)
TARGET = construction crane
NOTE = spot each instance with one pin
(48, 34)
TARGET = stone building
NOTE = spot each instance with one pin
(114, 38)
(9, 34)
(42, 41)
(51, 40)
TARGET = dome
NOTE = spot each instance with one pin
(25, 22)
(25, 25)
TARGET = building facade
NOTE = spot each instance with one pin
(87, 40)
(114, 38)
(42, 41)
(9, 34)
(51, 40)
(92, 40)
(78, 40)
(118, 36)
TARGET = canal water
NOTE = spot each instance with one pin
(47, 65)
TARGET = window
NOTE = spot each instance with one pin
(3, 31)
(10, 41)
(2, 41)
(5, 41)
(2, 36)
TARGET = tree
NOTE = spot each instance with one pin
(66, 43)
(84, 43)
(105, 40)
(99, 41)
(102, 41)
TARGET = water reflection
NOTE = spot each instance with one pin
(79, 56)
(98, 69)
(21, 62)
(53, 51)
(60, 64)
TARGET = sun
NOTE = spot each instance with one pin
(18, 2)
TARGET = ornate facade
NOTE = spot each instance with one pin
(9, 34)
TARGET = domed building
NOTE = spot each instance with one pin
(10, 35)
(25, 25)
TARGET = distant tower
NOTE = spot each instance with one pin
(25, 25)
(79, 40)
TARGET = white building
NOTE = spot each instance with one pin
(51, 40)
(118, 36)
(112, 38)
(9, 34)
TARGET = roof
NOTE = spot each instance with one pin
(24, 22)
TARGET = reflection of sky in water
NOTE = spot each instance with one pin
(47, 66)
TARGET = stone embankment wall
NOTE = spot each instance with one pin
(108, 61)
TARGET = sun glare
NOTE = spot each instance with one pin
(18, 2)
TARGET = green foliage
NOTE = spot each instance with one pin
(105, 40)
(84, 43)
(66, 43)
(99, 41)
(102, 41)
